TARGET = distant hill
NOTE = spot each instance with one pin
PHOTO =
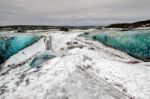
(126, 26)
(21, 28)
(145, 23)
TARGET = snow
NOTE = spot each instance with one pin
(93, 71)
(11, 45)
(133, 78)
(27, 53)
(59, 39)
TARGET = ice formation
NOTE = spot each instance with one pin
(11, 45)
(42, 58)
(135, 43)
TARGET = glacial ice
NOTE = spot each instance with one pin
(135, 43)
(42, 58)
(11, 45)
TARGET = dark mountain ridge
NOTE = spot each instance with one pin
(133, 25)
(145, 23)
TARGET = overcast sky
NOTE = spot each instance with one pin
(72, 12)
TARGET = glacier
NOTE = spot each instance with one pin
(11, 45)
(134, 43)
(38, 60)
(95, 69)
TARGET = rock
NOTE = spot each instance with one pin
(63, 29)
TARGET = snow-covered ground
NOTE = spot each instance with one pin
(83, 69)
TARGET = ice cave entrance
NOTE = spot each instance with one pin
(11, 45)
(135, 43)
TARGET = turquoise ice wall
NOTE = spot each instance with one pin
(135, 43)
(12, 45)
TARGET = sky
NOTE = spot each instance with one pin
(72, 12)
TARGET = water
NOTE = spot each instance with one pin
(11, 45)
(135, 43)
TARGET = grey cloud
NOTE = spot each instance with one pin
(72, 12)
